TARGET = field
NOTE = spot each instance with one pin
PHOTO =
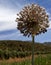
(44, 59)
(19, 53)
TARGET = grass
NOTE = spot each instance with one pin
(39, 60)
(43, 60)
(16, 63)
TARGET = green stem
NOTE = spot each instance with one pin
(32, 50)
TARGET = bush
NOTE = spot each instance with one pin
(13, 54)
(21, 49)
(6, 54)
(1, 54)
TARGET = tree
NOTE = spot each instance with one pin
(32, 20)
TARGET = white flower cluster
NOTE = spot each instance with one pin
(32, 20)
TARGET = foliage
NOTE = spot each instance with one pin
(22, 49)
(39, 60)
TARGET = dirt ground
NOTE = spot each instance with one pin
(19, 59)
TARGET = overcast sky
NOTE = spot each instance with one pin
(8, 11)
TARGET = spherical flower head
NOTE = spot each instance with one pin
(32, 20)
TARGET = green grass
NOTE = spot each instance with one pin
(43, 60)
(39, 60)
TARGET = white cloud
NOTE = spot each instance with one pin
(7, 19)
(8, 26)
(49, 25)
(49, 19)
(7, 15)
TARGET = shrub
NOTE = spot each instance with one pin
(13, 54)
(6, 54)
(1, 54)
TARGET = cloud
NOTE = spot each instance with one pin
(7, 14)
(49, 25)
(49, 19)
(48, 13)
(8, 26)
(7, 19)
(8, 11)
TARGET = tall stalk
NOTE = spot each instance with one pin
(32, 49)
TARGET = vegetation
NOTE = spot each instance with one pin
(39, 60)
(22, 49)
(32, 20)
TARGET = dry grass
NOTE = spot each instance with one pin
(20, 59)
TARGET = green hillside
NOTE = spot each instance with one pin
(22, 48)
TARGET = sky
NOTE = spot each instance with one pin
(8, 26)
